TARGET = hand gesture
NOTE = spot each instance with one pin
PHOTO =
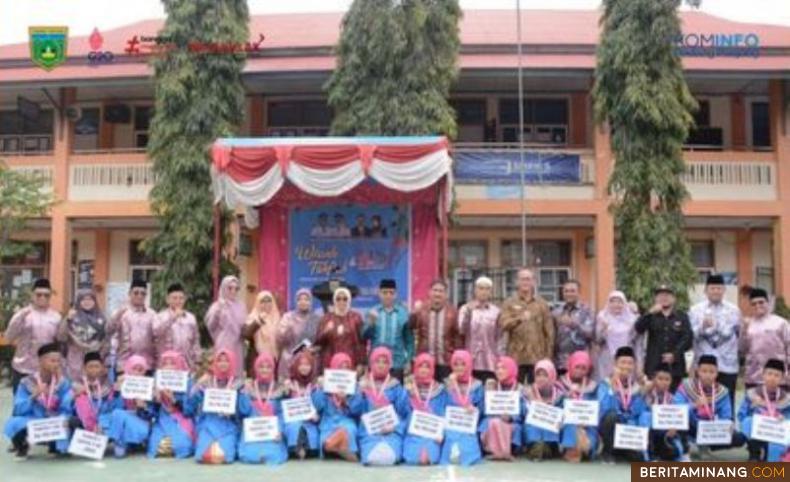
(418, 305)
(71, 314)
(656, 308)
(373, 316)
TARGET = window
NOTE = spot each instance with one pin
(86, 129)
(298, 118)
(702, 255)
(467, 254)
(142, 121)
(141, 265)
(471, 117)
(761, 125)
(545, 120)
(549, 259)
(702, 115)
(764, 278)
(19, 134)
(18, 273)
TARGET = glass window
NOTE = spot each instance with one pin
(88, 123)
(137, 255)
(550, 111)
(761, 125)
(18, 273)
(467, 254)
(703, 257)
(469, 111)
(299, 113)
(142, 117)
(702, 115)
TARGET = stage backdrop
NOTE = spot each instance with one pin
(359, 244)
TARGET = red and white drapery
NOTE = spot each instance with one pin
(250, 173)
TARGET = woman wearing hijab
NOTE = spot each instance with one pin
(262, 328)
(302, 436)
(341, 332)
(84, 330)
(173, 434)
(614, 328)
(501, 434)
(295, 327)
(466, 392)
(379, 389)
(94, 397)
(131, 423)
(217, 434)
(541, 443)
(339, 413)
(425, 395)
(261, 398)
(578, 442)
(225, 320)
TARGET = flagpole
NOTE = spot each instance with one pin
(521, 139)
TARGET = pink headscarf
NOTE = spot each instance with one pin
(466, 357)
(264, 359)
(375, 356)
(338, 359)
(226, 374)
(422, 359)
(176, 357)
(547, 366)
(135, 361)
(578, 358)
(260, 401)
(512, 370)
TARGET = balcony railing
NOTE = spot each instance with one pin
(110, 182)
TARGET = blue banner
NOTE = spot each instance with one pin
(358, 244)
(504, 167)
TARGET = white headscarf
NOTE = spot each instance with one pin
(340, 291)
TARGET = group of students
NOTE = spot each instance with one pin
(178, 424)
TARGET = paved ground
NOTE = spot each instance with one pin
(139, 469)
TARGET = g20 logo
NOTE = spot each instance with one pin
(98, 57)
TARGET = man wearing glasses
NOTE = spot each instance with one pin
(133, 324)
(31, 328)
(765, 336)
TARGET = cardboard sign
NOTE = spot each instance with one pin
(173, 380)
(581, 412)
(88, 444)
(426, 425)
(769, 429)
(137, 388)
(46, 430)
(714, 432)
(629, 437)
(219, 400)
(340, 381)
(378, 421)
(261, 429)
(670, 417)
(298, 409)
(502, 402)
(544, 416)
(458, 419)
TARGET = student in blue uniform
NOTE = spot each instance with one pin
(94, 396)
(302, 436)
(261, 398)
(542, 444)
(44, 394)
(663, 445)
(173, 432)
(339, 413)
(378, 390)
(707, 400)
(464, 391)
(501, 435)
(770, 400)
(130, 424)
(580, 442)
(217, 434)
(621, 399)
(425, 395)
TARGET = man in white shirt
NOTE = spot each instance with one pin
(716, 324)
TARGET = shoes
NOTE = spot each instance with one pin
(684, 458)
(608, 459)
(21, 452)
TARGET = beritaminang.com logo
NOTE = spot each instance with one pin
(706, 471)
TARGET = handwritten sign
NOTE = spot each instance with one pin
(581, 412)
(458, 419)
(630, 437)
(340, 381)
(137, 388)
(298, 409)
(219, 400)
(670, 417)
(714, 432)
(380, 420)
(768, 429)
(544, 416)
(173, 380)
(426, 425)
(45, 430)
(88, 444)
(261, 429)
(502, 402)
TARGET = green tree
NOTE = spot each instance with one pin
(641, 93)
(22, 198)
(199, 97)
(396, 63)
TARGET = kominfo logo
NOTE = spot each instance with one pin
(717, 45)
